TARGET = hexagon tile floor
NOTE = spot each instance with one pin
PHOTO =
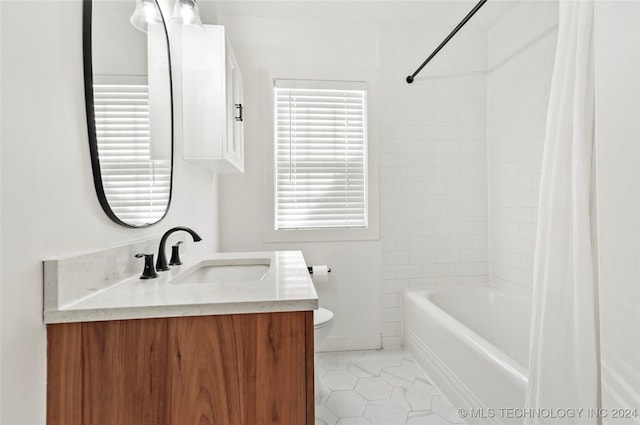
(383, 387)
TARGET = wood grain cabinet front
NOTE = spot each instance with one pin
(244, 369)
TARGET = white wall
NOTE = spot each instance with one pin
(520, 64)
(267, 48)
(617, 65)
(432, 165)
(49, 206)
(433, 190)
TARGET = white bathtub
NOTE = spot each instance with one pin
(473, 344)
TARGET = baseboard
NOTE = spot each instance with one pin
(350, 343)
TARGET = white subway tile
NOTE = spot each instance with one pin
(481, 269)
(422, 229)
(387, 215)
(422, 283)
(408, 215)
(394, 286)
(448, 281)
(434, 187)
(448, 229)
(435, 270)
(421, 173)
(462, 269)
(461, 241)
(391, 329)
(408, 243)
(394, 230)
(387, 244)
(474, 280)
(422, 256)
(392, 258)
(447, 256)
(390, 300)
(391, 314)
(434, 215)
(435, 242)
(424, 200)
(391, 343)
(473, 255)
(388, 275)
(475, 228)
(408, 271)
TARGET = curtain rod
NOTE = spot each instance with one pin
(446, 40)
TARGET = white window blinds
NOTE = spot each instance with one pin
(320, 155)
(135, 184)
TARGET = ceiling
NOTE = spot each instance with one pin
(413, 13)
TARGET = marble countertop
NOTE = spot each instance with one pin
(287, 286)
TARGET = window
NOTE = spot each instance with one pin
(135, 177)
(320, 155)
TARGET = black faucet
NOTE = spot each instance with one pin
(161, 264)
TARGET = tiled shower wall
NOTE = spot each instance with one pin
(521, 48)
(433, 166)
(460, 155)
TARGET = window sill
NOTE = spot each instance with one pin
(322, 235)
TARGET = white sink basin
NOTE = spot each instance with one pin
(226, 271)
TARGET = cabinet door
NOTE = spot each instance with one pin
(204, 96)
(235, 111)
(242, 369)
(108, 373)
(211, 89)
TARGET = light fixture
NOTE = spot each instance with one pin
(186, 13)
(145, 13)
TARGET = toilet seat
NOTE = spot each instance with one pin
(322, 318)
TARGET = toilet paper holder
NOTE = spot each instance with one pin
(310, 268)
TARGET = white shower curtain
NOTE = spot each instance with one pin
(564, 354)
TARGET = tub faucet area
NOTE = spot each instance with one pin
(161, 263)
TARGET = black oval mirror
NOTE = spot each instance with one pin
(128, 95)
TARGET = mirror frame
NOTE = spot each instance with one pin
(90, 113)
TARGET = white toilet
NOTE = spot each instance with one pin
(322, 324)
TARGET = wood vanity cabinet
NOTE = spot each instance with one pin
(246, 369)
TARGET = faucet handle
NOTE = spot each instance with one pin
(149, 271)
(175, 255)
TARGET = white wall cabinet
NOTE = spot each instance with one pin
(212, 97)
